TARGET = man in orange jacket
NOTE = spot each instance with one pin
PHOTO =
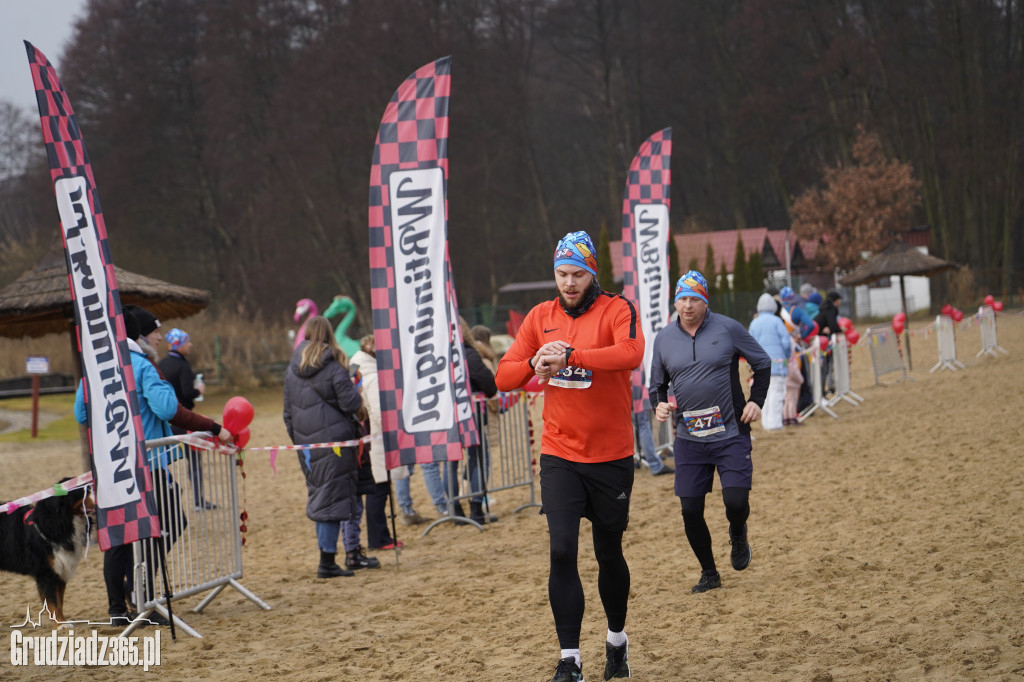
(583, 345)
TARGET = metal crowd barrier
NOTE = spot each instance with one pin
(947, 345)
(506, 458)
(197, 498)
(989, 345)
(817, 392)
(886, 356)
(841, 372)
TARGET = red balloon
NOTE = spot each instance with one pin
(534, 385)
(845, 324)
(997, 306)
(990, 299)
(852, 337)
(238, 414)
(957, 315)
(902, 317)
(823, 343)
(242, 437)
(947, 309)
(897, 325)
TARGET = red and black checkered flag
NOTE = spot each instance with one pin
(124, 497)
(421, 366)
(645, 235)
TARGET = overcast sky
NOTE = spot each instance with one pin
(46, 24)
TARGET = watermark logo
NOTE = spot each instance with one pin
(67, 648)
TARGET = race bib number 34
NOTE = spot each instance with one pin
(700, 423)
(573, 377)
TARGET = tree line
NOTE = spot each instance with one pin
(231, 140)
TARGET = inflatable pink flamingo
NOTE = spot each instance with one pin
(303, 307)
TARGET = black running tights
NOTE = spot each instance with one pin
(737, 509)
(564, 587)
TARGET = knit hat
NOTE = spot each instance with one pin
(814, 298)
(692, 284)
(176, 338)
(577, 249)
(147, 320)
(131, 325)
(787, 294)
(766, 304)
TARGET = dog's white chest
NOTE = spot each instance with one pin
(65, 562)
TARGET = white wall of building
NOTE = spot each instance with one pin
(878, 301)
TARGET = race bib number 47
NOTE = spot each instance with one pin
(701, 423)
(573, 377)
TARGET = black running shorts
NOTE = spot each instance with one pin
(599, 492)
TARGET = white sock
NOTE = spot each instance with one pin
(617, 638)
(574, 653)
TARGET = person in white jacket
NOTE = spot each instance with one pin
(364, 362)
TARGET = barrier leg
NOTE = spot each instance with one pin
(249, 595)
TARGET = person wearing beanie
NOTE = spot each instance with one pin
(158, 408)
(770, 331)
(176, 370)
(828, 324)
(698, 357)
(582, 346)
(149, 327)
(813, 304)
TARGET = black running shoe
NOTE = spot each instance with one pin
(740, 550)
(567, 671)
(708, 581)
(357, 559)
(616, 661)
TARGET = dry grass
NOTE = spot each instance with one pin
(228, 348)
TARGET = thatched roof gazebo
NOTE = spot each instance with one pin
(39, 301)
(897, 259)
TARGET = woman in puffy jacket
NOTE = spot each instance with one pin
(321, 405)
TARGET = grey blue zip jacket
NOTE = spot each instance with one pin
(703, 371)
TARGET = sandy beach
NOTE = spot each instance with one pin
(886, 546)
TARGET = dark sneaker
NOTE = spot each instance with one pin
(357, 559)
(616, 661)
(567, 671)
(707, 582)
(663, 471)
(740, 550)
(123, 619)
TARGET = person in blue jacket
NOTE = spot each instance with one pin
(770, 331)
(157, 405)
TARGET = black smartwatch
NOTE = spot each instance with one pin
(568, 352)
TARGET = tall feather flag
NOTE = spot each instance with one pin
(645, 235)
(421, 364)
(124, 498)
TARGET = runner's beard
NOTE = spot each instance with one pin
(565, 302)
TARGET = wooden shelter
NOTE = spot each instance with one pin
(39, 301)
(898, 259)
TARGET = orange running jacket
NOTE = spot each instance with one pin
(592, 424)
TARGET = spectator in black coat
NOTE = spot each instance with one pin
(177, 371)
(828, 324)
(321, 405)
